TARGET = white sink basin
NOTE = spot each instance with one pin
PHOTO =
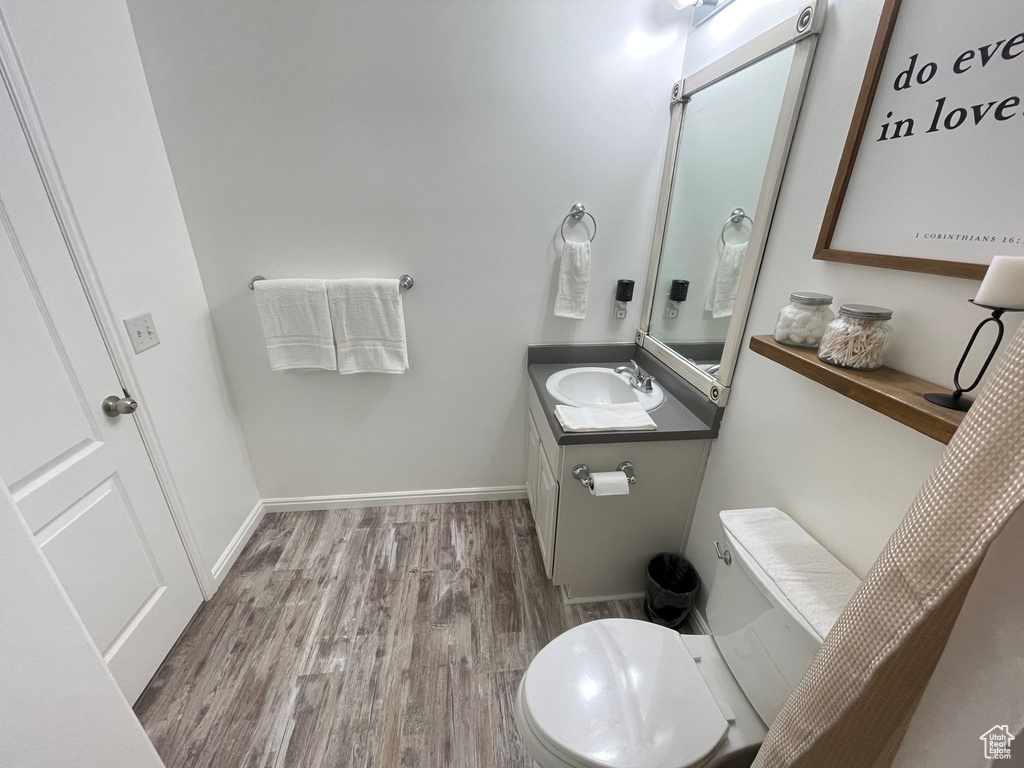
(584, 387)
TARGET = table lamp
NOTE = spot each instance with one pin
(1001, 291)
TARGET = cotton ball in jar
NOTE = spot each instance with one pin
(803, 321)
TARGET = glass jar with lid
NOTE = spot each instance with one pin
(802, 322)
(857, 338)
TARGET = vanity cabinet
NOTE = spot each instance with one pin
(596, 548)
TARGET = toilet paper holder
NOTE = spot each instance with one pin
(582, 473)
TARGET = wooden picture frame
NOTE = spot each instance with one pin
(823, 249)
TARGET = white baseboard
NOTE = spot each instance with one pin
(234, 549)
(597, 598)
(699, 622)
(394, 498)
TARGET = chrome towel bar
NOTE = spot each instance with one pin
(404, 282)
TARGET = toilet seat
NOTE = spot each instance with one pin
(619, 693)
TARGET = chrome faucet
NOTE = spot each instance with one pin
(637, 378)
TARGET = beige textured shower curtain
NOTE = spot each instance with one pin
(856, 699)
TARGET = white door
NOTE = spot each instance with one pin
(82, 479)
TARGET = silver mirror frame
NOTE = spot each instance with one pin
(702, 12)
(801, 31)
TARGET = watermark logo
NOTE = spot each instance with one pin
(997, 742)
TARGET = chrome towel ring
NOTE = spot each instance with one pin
(736, 217)
(578, 211)
(404, 282)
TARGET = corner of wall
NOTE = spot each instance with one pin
(236, 545)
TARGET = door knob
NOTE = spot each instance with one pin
(115, 406)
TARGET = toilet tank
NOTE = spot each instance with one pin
(777, 592)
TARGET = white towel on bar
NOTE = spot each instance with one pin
(598, 418)
(573, 280)
(296, 324)
(722, 296)
(369, 327)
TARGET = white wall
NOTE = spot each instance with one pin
(83, 68)
(847, 474)
(59, 705)
(446, 140)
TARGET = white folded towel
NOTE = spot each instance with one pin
(369, 327)
(722, 296)
(573, 280)
(810, 577)
(296, 323)
(599, 418)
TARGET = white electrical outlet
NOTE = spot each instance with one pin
(141, 331)
(671, 312)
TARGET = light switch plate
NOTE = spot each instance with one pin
(141, 331)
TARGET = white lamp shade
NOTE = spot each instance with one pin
(1003, 285)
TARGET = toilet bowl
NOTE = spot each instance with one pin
(620, 693)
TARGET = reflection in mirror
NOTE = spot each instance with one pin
(722, 156)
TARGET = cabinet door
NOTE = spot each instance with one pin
(545, 513)
(532, 460)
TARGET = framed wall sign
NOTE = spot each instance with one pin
(932, 175)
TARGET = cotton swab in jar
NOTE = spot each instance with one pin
(857, 338)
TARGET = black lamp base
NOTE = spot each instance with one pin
(957, 401)
(953, 402)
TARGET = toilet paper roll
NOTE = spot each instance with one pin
(609, 484)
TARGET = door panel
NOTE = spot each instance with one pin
(60, 429)
(106, 584)
(545, 513)
(532, 460)
(82, 480)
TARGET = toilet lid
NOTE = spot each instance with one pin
(620, 693)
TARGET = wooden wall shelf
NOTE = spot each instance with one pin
(893, 393)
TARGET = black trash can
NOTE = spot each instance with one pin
(672, 584)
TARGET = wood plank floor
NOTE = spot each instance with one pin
(386, 636)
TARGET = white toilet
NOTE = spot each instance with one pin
(619, 693)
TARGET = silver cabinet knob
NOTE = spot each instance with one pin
(114, 406)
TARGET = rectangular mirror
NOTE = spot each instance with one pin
(732, 124)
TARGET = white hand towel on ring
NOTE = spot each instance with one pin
(722, 296)
(573, 280)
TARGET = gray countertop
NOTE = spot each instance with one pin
(675, 421)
